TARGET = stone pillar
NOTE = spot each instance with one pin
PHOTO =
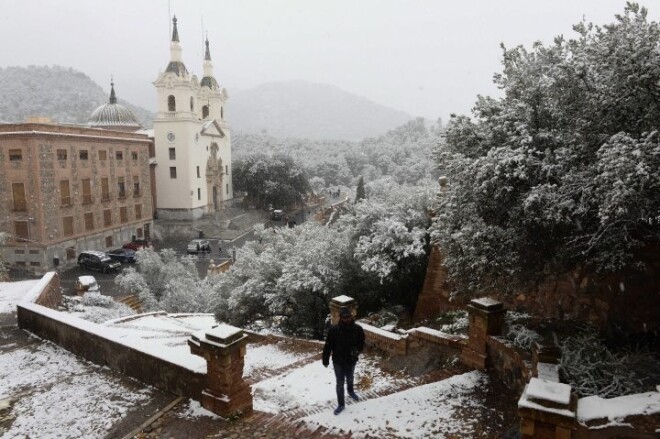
(547, 410)
(223, 347)
(486, 317)
(339, 302)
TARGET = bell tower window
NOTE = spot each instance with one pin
(205, 111)
(222, 112)
(192, 104)
(171, 103)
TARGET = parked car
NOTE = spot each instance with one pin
(95, 260)
(199, 246)
(123, 255)
(86, 284)
(277, 215)
(137, 244)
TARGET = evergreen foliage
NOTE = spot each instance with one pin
(360, 193)
(561, 172)
(276, 180)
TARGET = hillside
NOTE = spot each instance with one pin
(308, 110)
(63, 94)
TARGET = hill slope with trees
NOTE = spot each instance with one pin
(63, 94)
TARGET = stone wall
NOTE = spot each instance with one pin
(394, 344)
(508, 363)
(626, 301)
(75, 336)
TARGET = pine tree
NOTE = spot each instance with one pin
(360, 193)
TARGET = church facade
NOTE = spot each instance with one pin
(192, 140)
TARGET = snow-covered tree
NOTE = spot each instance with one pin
(557, 174)
(284, 277)
(165, 282)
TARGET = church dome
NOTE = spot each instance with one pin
(113, 116)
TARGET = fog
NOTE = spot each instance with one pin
(426, 57)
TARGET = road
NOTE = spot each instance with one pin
(220, 250)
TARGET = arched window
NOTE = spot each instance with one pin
(222, 112)
(171, 103)
(192, 104)
(205, 111)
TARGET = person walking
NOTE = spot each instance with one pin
(345, 342)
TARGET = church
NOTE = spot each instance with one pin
(192, 140)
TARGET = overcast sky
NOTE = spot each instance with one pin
(426, 57)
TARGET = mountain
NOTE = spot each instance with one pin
(62, 94)
(304, 109)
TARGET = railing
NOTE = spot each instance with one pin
(122, 194)
(65, 201)
(137, 193)
(105, 196)
(87, 199)
(20, 206)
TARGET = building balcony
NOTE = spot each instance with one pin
(105, 196)
(65, 201)
(87, 199)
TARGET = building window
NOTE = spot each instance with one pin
(15, 155)
(103, 154)
(172, 171)
(87, 191)
(136, 186)
(171, 103)
(138, 211)
(83, 154)
(139, 232)
(61, 154)
(205, 111)
(121, 187)
(119, 155)
(227, 188)
(226, 169)
(134, 155)
(198, 174)
(172, 154)
(65, 193)
(70, 253)
(89, 221)
(18, 193)
(192, 104)
(108, 241)
(222, 112)
(107, 217)
(105, 189)
(123, 214)
(199, 194)
(21, 230)
(67, 225)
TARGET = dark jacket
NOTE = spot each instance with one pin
(344, 342)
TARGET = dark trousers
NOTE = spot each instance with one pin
(343, 372)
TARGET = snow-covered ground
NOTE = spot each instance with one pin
(436, 410)
(314, 385)
(12, 292)
(57, 395)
